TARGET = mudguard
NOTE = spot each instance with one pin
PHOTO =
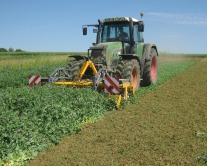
(146, 51)
(79, 57)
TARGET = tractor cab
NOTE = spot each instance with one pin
(118, 29)
(121, 29)
(115, 36)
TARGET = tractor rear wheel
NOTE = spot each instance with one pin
(129, 69)
(74, 68)
(150, 69)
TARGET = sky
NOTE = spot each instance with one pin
(175, 26)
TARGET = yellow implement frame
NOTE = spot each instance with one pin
(84, 68)
(126, 86)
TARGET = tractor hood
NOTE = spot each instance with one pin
(110, 50)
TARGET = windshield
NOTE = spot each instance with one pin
(115, 32)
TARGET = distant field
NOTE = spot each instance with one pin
(24, 54)
(183, 55)
(28, 59)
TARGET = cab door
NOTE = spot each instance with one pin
(138, 39)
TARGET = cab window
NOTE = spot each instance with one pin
(111, 31)
(136, 35)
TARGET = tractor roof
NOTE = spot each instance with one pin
(115, 19)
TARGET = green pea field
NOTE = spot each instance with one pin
(164, 124)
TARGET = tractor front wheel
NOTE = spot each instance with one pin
(129, 69)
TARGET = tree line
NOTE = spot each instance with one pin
(10, 50)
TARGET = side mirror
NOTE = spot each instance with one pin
(84, 30)
(141, 26)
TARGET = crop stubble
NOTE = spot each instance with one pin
(159, 130)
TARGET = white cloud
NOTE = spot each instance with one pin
(188, 18)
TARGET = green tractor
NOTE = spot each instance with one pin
(121, 51)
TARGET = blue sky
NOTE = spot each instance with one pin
(177, 26)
